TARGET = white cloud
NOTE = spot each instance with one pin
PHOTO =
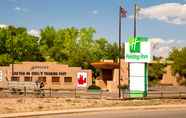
(95, 12)
(34, 32)
(162, 47)
(174, 13)
(20, 9)
(3, 26)
(17, 8)
(156, 41)
(163, 51)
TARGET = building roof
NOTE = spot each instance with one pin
(105, 65)
(162, 62)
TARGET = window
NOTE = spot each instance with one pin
(67, 79)
(55, 79)
(43, 79)
(28, 79)
(14, 78)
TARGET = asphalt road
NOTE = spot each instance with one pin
(163, 113)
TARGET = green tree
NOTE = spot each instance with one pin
(178, 56)
(72, 46)
(48, 36)
(113, 52)
(155, 72)
(102, 46)
(85, 48)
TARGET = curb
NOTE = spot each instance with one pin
(71, 111)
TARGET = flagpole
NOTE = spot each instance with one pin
(119, 53)
(135, 14)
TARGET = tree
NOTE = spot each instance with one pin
(48, 35)
(5, 59)
(18, 45)
(113, 52)
(72, 46)
(85, 48)
(155, 71)
(102, 46)
(178, 56)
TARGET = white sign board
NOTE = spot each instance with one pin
(137, 77)
(137, 84)
(82, 79)
(137, 69)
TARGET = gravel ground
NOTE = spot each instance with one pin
(15, 105)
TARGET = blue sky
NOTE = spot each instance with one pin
(156, 21)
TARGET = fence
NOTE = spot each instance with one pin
(88, 94)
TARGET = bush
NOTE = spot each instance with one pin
(94, 87)
(123, 86)
(154, 82)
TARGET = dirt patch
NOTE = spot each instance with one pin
(14, 105)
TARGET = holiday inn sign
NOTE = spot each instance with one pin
(137, 50)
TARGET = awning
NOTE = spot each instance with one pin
(105, 65)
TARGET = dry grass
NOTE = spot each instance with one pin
(12, 105)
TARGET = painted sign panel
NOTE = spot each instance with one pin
(137, 69)
(137, 84)
(138, 79)
(137, 72)
(1, 75)
(81, 79)
(138, 50)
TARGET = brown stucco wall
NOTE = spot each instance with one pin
(42, 69)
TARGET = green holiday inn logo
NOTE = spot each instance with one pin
(135, 44)
(138, 49)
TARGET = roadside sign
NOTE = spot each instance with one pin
(82, 79)
(138, 50)
(138, 79)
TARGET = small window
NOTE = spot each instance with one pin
(43, 79)
(67, 79)
(14, 78)
(55, 79)
(28, 79)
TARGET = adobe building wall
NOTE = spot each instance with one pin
(112, 85)
(168, 77)
(3, 80)
(124, 76)
(54, 75)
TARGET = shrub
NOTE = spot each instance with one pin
(123, 86)
(94, 87)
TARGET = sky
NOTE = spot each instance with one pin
(163, 21)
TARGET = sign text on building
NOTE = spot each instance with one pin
(40, 73)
